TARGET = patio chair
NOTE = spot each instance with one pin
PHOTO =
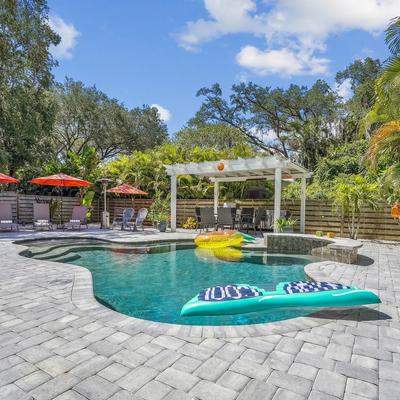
(225, 218)
(78, 218)
(247, 217)
(198, 217)
(127, 219)
(41, 216)
(6, 219)
(258, 220)
(141, 216)
(207, 218)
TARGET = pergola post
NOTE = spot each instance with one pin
(173, 203)
(277, 196)
(303, 205)
(216, 195)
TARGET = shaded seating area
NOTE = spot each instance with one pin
(275, 168)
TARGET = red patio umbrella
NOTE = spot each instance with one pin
(7, 179)
(60, 180)
(126, 189)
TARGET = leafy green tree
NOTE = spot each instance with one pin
(349, 194)
(362, 75)
(347, 159)
(88, 117)
(218, 136)
(146, 169)
(302, 120)
(26, 108)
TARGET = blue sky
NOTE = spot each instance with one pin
(161, 52)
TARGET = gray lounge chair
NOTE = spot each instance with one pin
(6, 219)
(78, 218)
(41, 216)
(225, 218)
(141, 216)
(207, 218)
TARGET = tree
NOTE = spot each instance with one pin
(384, 118)
(346, 159)
(349, 194)
(218, 136)
(88, 117)
(26, 107)
(146, 169)
(361, 74)
(302, 121)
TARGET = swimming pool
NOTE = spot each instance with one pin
(154, 282)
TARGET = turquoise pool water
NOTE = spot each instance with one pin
(154, 282)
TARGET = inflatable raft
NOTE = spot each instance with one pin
(219, 239)
(243, 298)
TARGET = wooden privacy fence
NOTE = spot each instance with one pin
(24, 212)
(320, 215)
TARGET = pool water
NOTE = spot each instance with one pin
(154, 282)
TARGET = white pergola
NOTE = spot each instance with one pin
(274, 168)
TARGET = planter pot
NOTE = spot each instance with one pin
(331, 235)
(162, 226)
(287, 229)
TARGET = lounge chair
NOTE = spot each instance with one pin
(207, 217)
(225, 218)
(141, 216)
(78, 218)
(41, 216)
(6, 219)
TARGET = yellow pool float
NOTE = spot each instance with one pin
(218, 239)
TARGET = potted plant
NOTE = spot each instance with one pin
(285, 224)
(160, 211)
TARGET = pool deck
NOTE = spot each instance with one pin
(58, 342)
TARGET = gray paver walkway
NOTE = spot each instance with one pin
(54, 344)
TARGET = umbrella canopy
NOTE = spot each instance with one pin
(60, 180)
(7, 179)
(126, 189)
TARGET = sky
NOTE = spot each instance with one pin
(161, 52)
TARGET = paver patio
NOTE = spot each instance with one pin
(57, 342)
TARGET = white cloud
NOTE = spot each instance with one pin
(165, 115)
(284, 61)
(69, 35)
(295, 32)
(344, 90)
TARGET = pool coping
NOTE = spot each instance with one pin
(82, 296)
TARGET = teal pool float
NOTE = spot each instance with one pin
(244, 298)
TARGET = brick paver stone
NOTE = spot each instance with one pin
(58, 343)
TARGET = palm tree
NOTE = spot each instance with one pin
(384, 117)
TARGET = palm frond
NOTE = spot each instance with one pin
(381, 139)
(393, 36)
